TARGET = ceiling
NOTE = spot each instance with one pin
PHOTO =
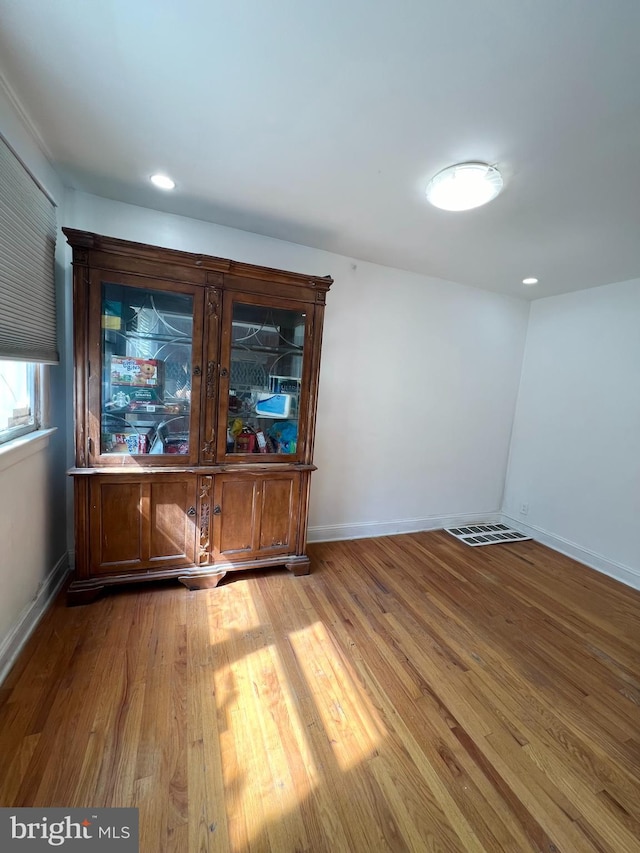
(321, 122)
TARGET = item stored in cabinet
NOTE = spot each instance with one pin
(127, 370)
(127, 442)
(273, 405)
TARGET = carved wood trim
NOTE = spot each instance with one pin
(215, 267)
(211, 379)
(213, 301)
(205, 519)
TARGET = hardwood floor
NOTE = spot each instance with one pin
(412, 693)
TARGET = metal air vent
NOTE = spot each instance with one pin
(486, 534)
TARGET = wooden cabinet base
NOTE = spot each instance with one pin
(83, 593)
(86, 591)
(153, 526)
(299, 566)
(207, 581)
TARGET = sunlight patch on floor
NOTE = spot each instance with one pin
(352, 724)
(268, 764)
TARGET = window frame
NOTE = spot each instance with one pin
(35, 394)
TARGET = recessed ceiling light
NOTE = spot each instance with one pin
(163, 182)
(464, 186)
(530, 281)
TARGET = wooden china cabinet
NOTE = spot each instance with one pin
(196, 384)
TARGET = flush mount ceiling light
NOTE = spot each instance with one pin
(464, 186)
(163, 182)
(530, 281)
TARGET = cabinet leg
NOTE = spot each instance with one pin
(299, 566)
(202, 581)
(82, 595)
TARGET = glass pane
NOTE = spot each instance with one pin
(17, 399)
(265, 379)
(146, 378)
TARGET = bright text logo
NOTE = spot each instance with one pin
(32, 830)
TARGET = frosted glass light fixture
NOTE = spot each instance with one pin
(464, 186)
(163, 182)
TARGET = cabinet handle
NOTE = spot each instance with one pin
(217, 510)
(224, 372)
(197, 370)
(191, 511)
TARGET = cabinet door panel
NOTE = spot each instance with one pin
(116, 525)
(172, 529)
(235, 525)
(266, 359)
(145, 366)
(278, 514)
(139, 524)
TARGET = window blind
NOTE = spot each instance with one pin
(27, 246)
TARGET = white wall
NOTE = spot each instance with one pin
(33, 486)
(33, 550)
(418, 381)
(575, 458)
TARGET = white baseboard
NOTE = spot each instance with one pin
(368, 529)
(624, 574)
(13, 643)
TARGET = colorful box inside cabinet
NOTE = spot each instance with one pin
(177, 443)
(127, 370)
(112, 315)
(284, 384)
(245, 443)
(273, 405)
(134, 398)
(126, 442)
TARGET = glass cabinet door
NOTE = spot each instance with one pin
(146, 344)
(265, 380)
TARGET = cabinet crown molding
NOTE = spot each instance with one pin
(113, 246)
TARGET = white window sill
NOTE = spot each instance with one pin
(17, 449)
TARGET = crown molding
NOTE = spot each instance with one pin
(26, 119)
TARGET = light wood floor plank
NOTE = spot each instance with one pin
(411, 694)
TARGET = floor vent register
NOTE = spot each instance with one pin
(486, 534)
